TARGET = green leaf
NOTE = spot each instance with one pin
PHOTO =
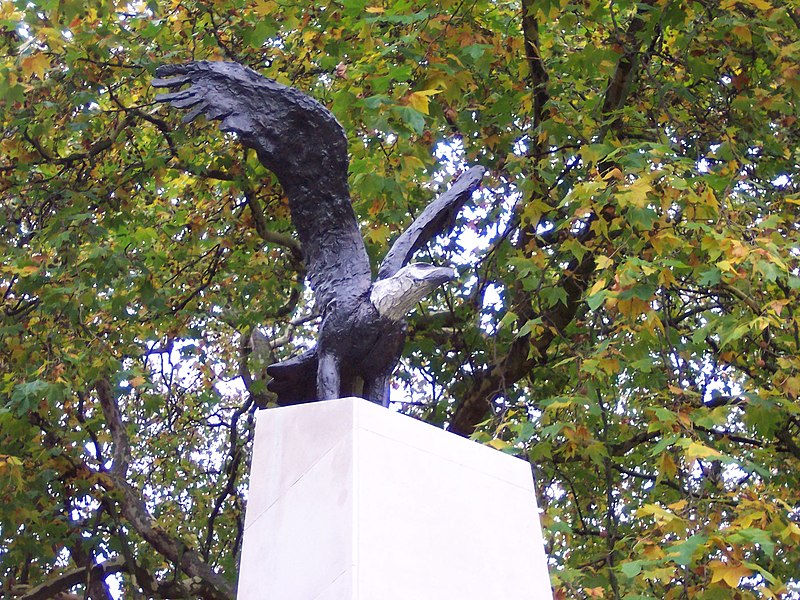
(596, 301)
(710, 276)
(663, 444)
(683, 552)
(413, 119)
(632, 568)
(755, 536)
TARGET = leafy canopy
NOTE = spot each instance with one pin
(629, 323)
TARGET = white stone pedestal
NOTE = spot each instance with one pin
(350, 501)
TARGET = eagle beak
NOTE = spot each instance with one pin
(440, 275)
(395, 296)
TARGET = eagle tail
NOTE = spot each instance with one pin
(294, 381)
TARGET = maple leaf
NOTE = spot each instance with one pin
(420, 100)
(729, 573)
(35, 64)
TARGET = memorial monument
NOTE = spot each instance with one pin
(348, 500)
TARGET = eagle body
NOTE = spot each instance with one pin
(361, 347)
(364, 347)
(359, 342)
(362, 332)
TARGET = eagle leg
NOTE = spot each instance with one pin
(376, 389)
(328, 376)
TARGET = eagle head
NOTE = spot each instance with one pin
(395, 296)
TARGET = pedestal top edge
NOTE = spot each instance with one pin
(368, 416)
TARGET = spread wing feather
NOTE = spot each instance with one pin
(300, 141)
(437, 217)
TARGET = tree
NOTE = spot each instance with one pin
(628, 323)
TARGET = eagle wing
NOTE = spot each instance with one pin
(437, 217)
(300, 141)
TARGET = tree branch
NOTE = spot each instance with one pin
(122, 448)
(135, 511)
(537, 75)
(627, 68)
(269, 236)
(63, 582)
(99, 146)
(751, 304)
(490, 383)
(233, 462)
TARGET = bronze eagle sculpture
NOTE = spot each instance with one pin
(362, 332)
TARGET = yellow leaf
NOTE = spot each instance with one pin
(137, 381)
(766, 592)
(759, 4)
(792, 532)
(498, 444)
(8, 11)
(666, 278)
(743, 33)
(709, 199)
(24, 271)
(791, 386)
(598, 285)
(534, 210)
(610, 366)
(54, 37)
(419, 100)
(652, 551)
(636, 193)
(664, 573)
(264, 7)
(662, 242)
(729, 573)
(378, 234)
(602, 262)
(412, 163)
(653, 323)
(747, 520)
(661, 515)
(697, 450)
(725, 265)
(376, 10)
(11, 460)
(35, 64)
(455, 59)
(558, 404)
(677, 506)
(667, 466)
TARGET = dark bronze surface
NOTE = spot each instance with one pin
(300, 141)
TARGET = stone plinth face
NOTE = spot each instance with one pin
(350, 501)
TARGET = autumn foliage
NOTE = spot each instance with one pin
(626, 316)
